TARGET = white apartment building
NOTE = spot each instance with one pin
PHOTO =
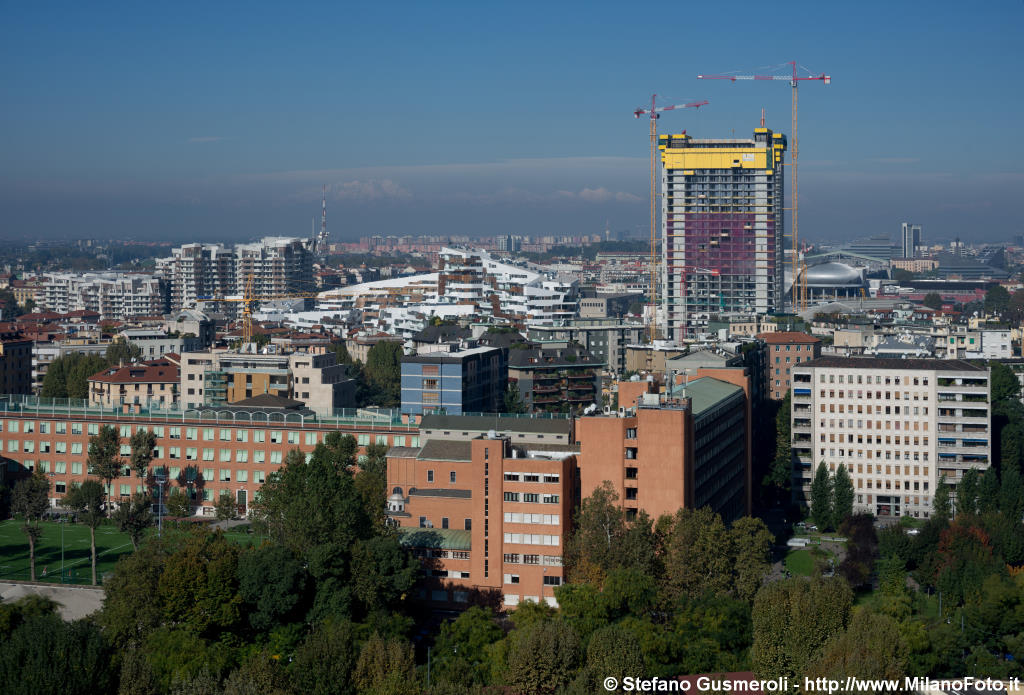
(115, 296)
(277, 266)
(897, 424)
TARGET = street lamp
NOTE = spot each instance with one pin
(62, 519)
(161, 480)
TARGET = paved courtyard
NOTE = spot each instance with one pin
(75, 602)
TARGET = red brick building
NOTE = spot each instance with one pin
(786, 349)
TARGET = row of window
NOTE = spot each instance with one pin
(878, 379)
(532, 539)
(548, 581)
(209, 434)
(532, 477)
(917, 425)
(426, 523)
(889, 395)
(889, 455)
(878, 439)
(519, 518)
(545, 560)
(530, 497)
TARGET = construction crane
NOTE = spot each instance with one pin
(799, 293)
(655, 113)
(248, 298)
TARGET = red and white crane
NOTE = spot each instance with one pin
(655, 113)
(799, 286)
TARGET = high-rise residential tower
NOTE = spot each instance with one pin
(911, 235)
(722, 228)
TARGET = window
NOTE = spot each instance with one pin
(511, 578)
(259, 436)
(225, 455)
(193, 433)
(275, 457)
(191, 453)
(93, 429)
(175, 433)
(174, 452)
(363, 440)
(444, 522)
(423, 522)
(399, 440)
(451, 477)
(241, 435)
(511, 496)
(293, 437)
(430, 476)
(550, 499)
(242, 476)
(76, 428)
(512, 477)
(276, 437)
(208, 475)
(552, 581)
(259, 477)
(430, 384)
(225, 475)
(242, 456)
(207, 454)
(531, 497)
(551, 478)
(125, 430)
(310, 438)
(62, 428)
(382, 439)
(259, 456)
(468, 524)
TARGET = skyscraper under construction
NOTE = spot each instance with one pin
(722, 229)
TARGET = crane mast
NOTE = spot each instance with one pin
(799, 289)
(655, 113)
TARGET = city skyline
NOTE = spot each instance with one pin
(197, 125)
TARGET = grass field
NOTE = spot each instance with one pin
(800, 563)
(110, 545)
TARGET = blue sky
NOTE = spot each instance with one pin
(222, 120)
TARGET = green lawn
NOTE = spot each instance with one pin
(800, 563)
(110, 545)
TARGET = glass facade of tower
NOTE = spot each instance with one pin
(722, 229)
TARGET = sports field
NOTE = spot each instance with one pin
(110, 545)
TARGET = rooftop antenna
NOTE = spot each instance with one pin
(762, 117)
(321, 244)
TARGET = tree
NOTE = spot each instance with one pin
(782, 466)
(384, 372)
(988, 492)
(1011, 495)
(697, 555)
(142, 442)
(612, 651)
(997, 299)
(752, 544)
(29, 660)
(179, 505)
(461, 650)
(842, 496)
(134, 517)
(941, 506)
(542, 658)
(870, 648)
(272, 583)
(67, 376)
(120, 351)
(86, 500)
(792, 621)
(513, 400)
(324, 662)
(105, 457)
(967, 493)
(1004, 383)
(821, 497)
(603, 541)
(932, 300)
(225, 508)
(386, 667)
(29, 501)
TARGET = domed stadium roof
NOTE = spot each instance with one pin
(834, 275)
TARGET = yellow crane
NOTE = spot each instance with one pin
(655, 113)
(799, 291)
(248, 298)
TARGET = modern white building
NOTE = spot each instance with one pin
(897, 424)
(115, 296)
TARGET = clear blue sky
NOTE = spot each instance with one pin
(221, 120)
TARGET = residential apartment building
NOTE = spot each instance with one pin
(911, 237)
(200, 270)
(785, 350)
(488, 516)
(151, 384)
(15, 365)
(455, 381)
(722, 212)
(233, 450)
(156, 343)
(897, 424)
(605, 339)
(662, 452)
(115, 296)
(223, 377)
(555, 380)
(276, 265)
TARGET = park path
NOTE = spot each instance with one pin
(74, 601)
